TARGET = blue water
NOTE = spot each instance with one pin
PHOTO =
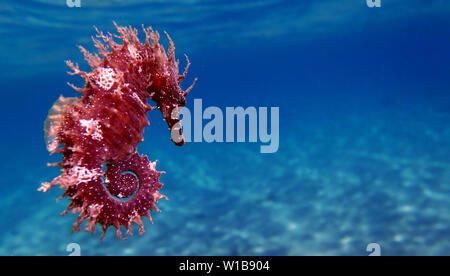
(364, 153)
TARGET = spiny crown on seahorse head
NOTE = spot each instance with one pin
(105, 125)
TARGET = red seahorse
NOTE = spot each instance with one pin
(103, 127)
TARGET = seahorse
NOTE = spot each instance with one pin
(106, 181)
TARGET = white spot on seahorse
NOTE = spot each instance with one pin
(106, 78)
(85, 174)
(95, 209)
(93, 128)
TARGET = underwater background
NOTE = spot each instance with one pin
(364, 150)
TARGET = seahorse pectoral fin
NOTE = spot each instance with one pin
(54, 120)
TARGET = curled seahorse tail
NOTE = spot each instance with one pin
(127, 191)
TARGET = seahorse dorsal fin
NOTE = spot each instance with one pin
(53, 122)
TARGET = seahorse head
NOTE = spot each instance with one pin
(156, 71)
(164, 87)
